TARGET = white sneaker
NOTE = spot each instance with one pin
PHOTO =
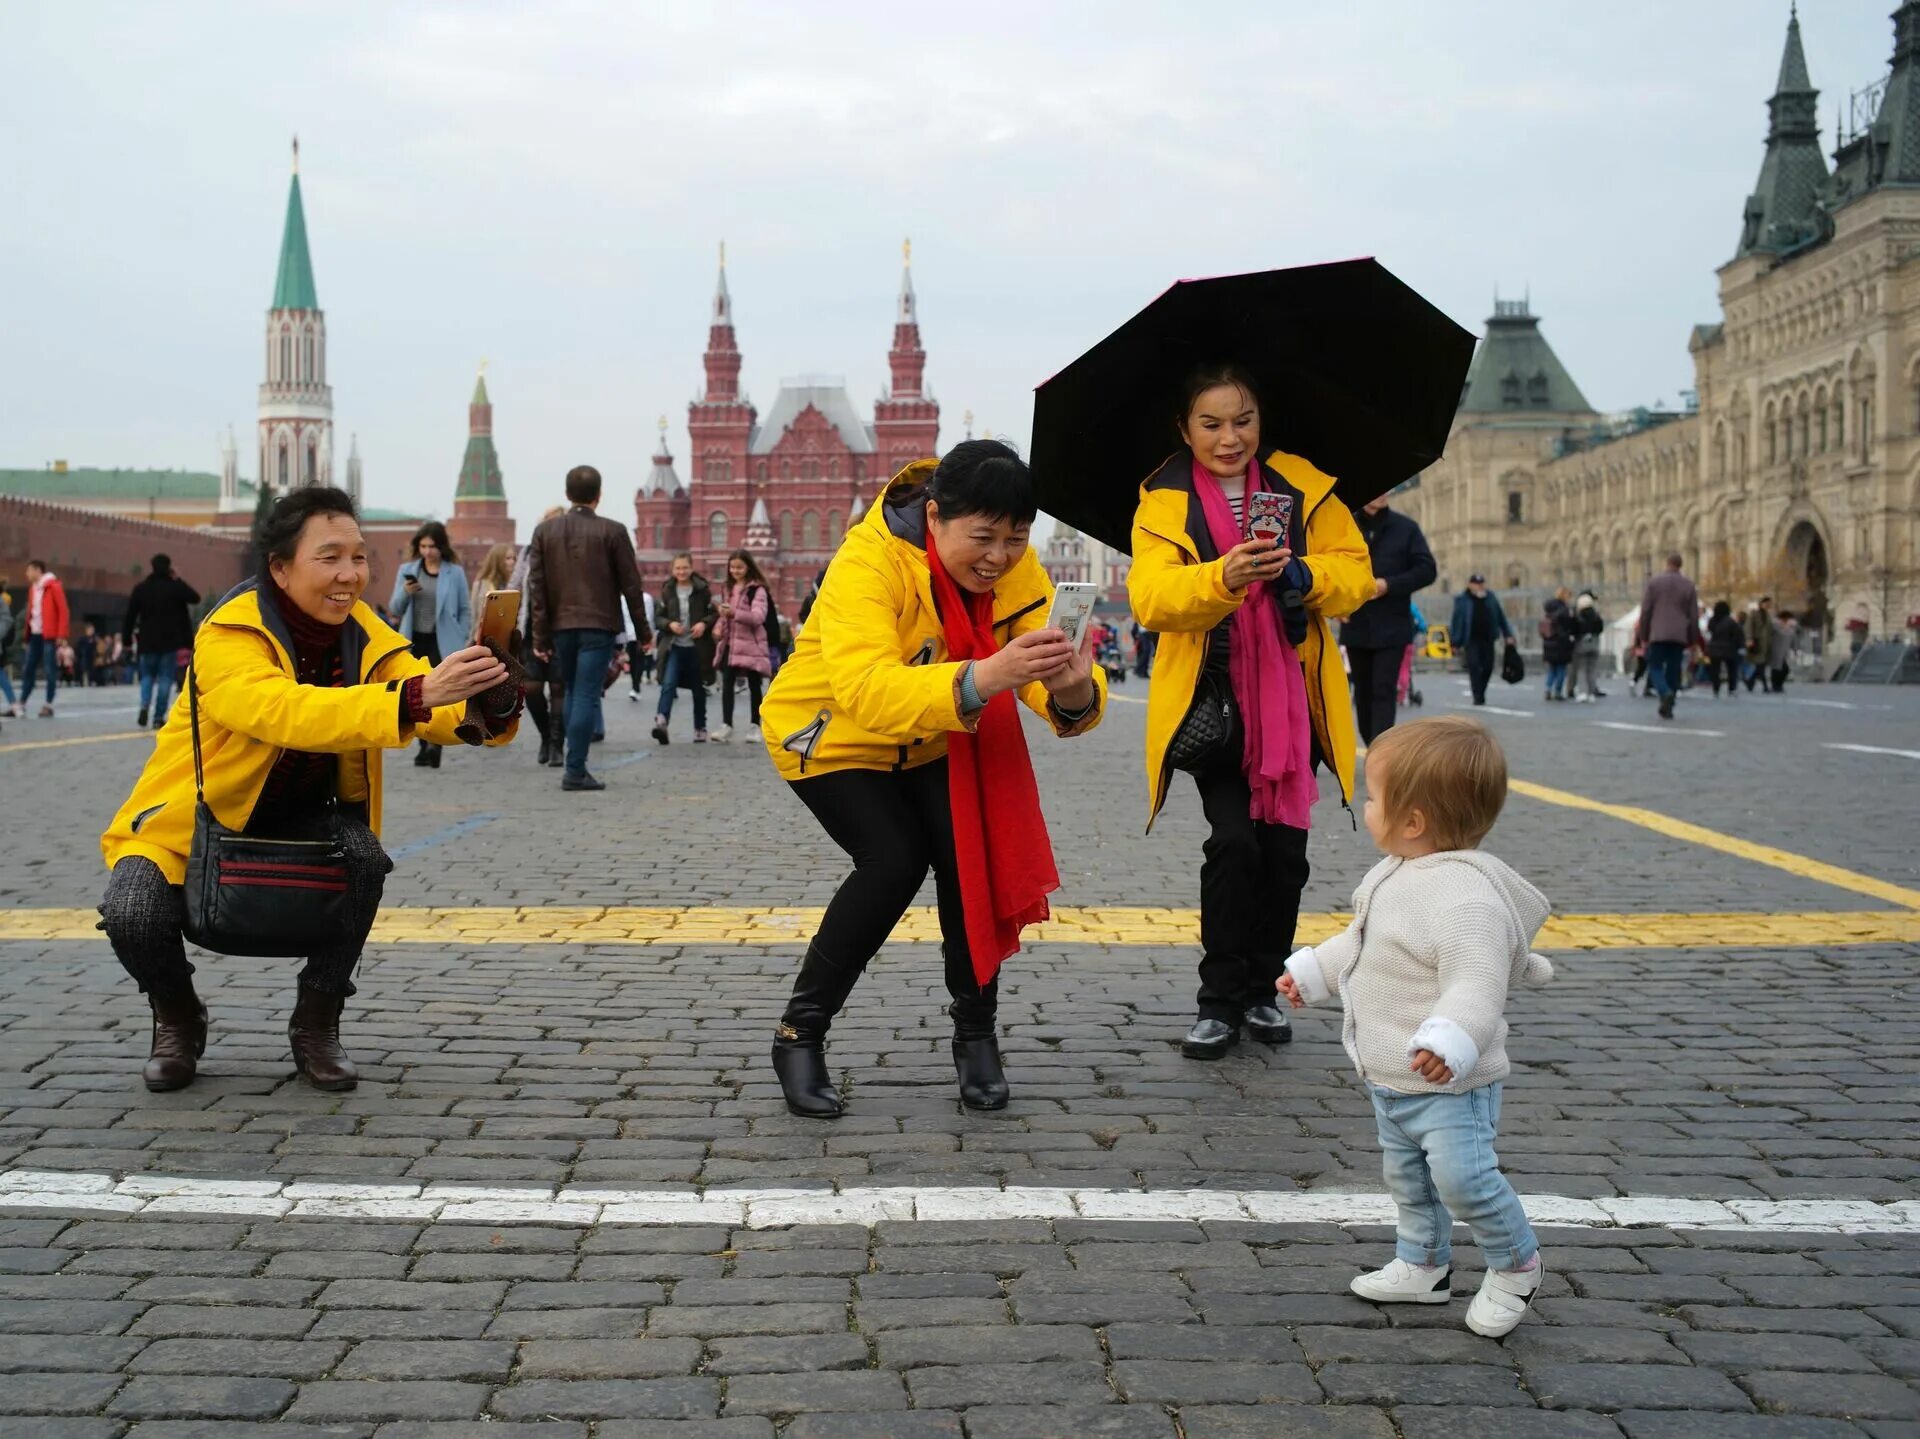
(634, 695)
(722, 735)
(1503, 1300)
(1404, 1283)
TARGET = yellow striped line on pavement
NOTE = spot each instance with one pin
(1118, 926)
(7, 749)
(1766, 854)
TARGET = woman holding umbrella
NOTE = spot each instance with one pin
(1248, 692)
(895, 723)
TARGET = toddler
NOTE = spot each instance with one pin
(1440, 931)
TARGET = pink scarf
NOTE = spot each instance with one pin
(1267, 682)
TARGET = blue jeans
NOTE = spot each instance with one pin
(6, 683)
(1664, 659)
(582, 657)
(682, 667)
(38, 652)
(1556, 679)
(1436, 1151)
(156, 682)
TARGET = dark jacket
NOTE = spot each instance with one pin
(1669, 611)
(160, 612)
(1726, 637)
(700, 611)
(1556, 643)
(1460, 631)
(1399, 553)
(579, 565)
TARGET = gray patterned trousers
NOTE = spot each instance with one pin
(144, 915)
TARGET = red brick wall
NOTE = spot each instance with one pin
(99, 558)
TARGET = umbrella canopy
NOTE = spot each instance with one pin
(1356, 372)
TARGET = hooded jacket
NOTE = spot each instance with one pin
(252, 707)
(1177, 587)
(46, 613)
(869, 685)
(1434, 946)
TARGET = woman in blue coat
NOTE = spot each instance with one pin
(432, 606)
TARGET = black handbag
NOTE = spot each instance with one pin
(1207, 726)
(263, 895)
(1513, 669)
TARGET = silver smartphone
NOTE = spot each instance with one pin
(1072, 610)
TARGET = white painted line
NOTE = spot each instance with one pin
(1660, 729)
(1827, 704)
(1126, 699)
(583, 1208)
(1875, 749)
(1496, 710)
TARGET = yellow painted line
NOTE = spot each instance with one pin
(1115, 926)
(6, 748)
(1766, 854)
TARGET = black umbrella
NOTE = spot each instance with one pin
(1356, 372)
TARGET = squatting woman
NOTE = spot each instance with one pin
(299, 688)
(895, 723)
(1245, 644)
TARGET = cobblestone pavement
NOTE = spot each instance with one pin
(1712, 1036)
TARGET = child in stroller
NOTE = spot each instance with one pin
(1106, 653)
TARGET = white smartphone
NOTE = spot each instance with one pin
(1072, 610)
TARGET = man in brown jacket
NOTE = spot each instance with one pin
(1669, 627)
(578, 568)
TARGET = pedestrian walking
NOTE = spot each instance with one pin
(296, 689)
(1442, 932)
(1479, 624)
(1669, 626)
(159, 624)
(639, 656)
(9, 631)
(579, 565)
(47, 621)
(1404, 692)
(1247, 683)
(904, 741)
(1558, 634)
(1759, 636)
(1143, 642)
(1376, 635)
(1583, 680)
(687, 616)
(433, 606)
(1781, 643)
(1726, 643)
(742, 652)
(545, 695)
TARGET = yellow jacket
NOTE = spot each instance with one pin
(1177, 591)
(869, 685)
(252, 708)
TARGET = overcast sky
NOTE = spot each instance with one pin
(544, 186)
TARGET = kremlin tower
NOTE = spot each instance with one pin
(296, 402)
(480, 518)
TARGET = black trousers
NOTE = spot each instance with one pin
(754, 679)
(144, 914)
(1376, 685)
(427, 647)
(1728, 666)
(1479, 668)
(635, 654)
(1251, 876)
(895, 825)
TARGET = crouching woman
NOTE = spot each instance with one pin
(895, 722)
(299, 688)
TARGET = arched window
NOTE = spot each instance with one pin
(810, 530)
(786, 529)
(286, 357)
(717, 530)
(1804, 448)
(306, 357)
(313, 468)
(786, 469)
(659, 535)
(761, 471)
(283, 465)
(1820, 426)
(1866, 428)
(1773, 439)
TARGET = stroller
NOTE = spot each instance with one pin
(1106, 653)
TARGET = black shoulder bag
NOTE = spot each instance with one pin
(255, 895)
(1208, 723)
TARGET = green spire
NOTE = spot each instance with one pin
(293, 286)
(480, 391)
(480, 468)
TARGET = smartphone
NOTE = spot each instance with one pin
(1072, 611)
(1269, 516)
(499, 613)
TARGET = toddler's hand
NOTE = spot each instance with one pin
(1287, 987)
(1430, 1066)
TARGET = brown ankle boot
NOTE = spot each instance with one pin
(179, 1039)
(314, 1034)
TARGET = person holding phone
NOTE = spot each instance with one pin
(1243, 631)
(895, 723)
(432, 606)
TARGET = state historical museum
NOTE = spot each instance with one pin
(787, 487)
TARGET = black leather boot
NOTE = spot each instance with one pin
(799, 1044)
(314, 1034)
(546, 749)
(179, 1039)
(976, 1050)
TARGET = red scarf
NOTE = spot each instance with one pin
(1005, 883)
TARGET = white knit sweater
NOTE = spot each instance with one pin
(1434, 945)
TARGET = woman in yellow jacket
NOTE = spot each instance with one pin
(895, 723)
(1243, 631)
(300, 687)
